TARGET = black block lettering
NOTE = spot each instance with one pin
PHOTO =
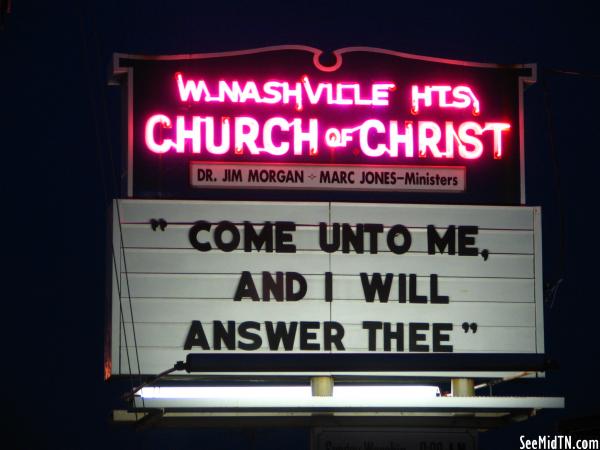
(333, 334)
(281, 335)
(376, 286)
(222, 335)
(414, 337)
(283, 235)
(201, 225)
(246, 288)
(226, 226)
(272, 286)
(397, 335)
(402, 288)
(328, 286)
(465, 240)
(290, 295)
(335, 244)
(372, 328)
(412, 290)
(354, 238)
(252, 238)
(245, 332)
(433, 291)
(374, 229)
(438, 337)
(391, 239)
(306, 336)
(196, 337)
(441, 242)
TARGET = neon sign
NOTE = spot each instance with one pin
(373, 137)
(273, 92)
(281, 105)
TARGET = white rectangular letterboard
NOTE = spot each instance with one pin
(208, 276)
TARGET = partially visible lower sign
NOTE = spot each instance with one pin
(329, 177)
(392, 439)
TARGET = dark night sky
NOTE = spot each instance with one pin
(60, 121)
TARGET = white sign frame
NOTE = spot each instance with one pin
(132, 226)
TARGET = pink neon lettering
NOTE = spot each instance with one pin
(278, 136)
(497, 129)
(429, 137)
(250, 92)
(462, 98)
(246, 132)
(451, 138)
(333, 138)
(311, 136)
(466, 91)
(339, 138)
(379, 128)
(209, 131)
(442, 91)
(233, 92)
(465, 137)
(296, 93)
(417, 96)
(183, 133)
(340, 94)
(195, 89)
(381, 92)
(273, 92)
(164, 122)
(396, 138)
(270, 147)
(315, 96)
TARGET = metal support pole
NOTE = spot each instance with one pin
(322, 386)
(463, 387)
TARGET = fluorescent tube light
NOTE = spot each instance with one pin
(373, 393)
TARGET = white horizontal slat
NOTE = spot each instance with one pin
(186, 310)
(204, 286)
(193, 261)
(484, 314)
(177, 237)
(345, 287)
(486, 340)
(349, 287)
(307, 238)
(518, 218)
(506, 266)
(189, 211)
(173, 336)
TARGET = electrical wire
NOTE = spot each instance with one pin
(501, 380)
(108, 197)
(575, 73)
(551, 291)
(179, 365)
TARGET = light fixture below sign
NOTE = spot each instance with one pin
(288, 393)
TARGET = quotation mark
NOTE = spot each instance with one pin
(472, 326)
(160, 223)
